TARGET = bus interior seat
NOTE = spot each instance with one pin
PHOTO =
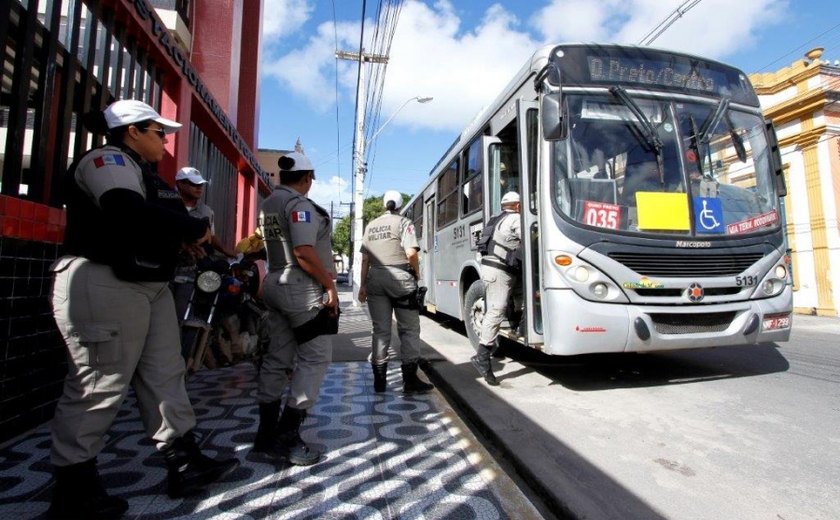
(596, 190)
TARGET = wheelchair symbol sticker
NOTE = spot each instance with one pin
(708, 215)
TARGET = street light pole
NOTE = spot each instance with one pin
(359, 184)
(358, 162)
(419, 99)
(358, 189)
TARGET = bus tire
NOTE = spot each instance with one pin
(473, 311)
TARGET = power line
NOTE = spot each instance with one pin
(668, 21)
(798, 49)
(386, 26)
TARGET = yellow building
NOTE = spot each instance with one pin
(802, 102)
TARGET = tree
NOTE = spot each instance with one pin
(371, 209)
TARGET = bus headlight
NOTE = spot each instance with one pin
(772, 286)
(781, 272)
(585, 279)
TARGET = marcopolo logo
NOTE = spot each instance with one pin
(693, 244)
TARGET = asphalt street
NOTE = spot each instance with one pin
(736, 433)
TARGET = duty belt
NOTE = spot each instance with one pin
(492, 261)
(404, 267)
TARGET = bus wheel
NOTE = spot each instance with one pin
(474, 311)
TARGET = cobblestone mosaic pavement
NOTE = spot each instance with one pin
(388, 456)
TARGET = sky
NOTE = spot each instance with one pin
(462, 53)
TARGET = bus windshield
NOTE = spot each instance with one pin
(651, 166)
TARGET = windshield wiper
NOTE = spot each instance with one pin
(644, 126)
(737, 140)
(712, 122)
(722, 113)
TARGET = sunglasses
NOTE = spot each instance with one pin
(159, 131)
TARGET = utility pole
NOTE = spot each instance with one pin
(359, 166)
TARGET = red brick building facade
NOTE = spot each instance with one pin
(196, 61)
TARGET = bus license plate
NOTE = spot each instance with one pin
(776, 321)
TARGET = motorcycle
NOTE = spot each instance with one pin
(215, 293)
(251, 310)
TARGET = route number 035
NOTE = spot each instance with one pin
(601, 215)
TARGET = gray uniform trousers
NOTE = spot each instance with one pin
(293, 298)
(117, 334)
(498, 285)
(384, 283)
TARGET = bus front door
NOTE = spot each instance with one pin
(528, 130)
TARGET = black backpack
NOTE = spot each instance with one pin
(485, 239)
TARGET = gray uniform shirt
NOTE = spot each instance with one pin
(287, 220)
(386, 239)
(508, 233)
(202, 210)
(108, 168)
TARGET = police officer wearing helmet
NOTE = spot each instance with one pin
(112, 304)
(301, 296)
(389, 274)
(499, 281)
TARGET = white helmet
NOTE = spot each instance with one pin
(392, 196)
(510, 197)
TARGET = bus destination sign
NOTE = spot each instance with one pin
(617, 69)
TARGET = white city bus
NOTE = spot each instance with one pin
(651, 193)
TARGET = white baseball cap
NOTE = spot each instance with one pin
(294, 162)
(510, 197)
(129, 111)
(392, 195)
(190, 174)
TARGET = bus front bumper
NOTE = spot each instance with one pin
(583, 327)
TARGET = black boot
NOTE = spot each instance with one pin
(267, 430)
(481, 362)
(288, 444)
(380, 373)
(78, 493)
(411, 383)
(189, 470)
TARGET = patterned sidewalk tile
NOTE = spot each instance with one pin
(387, 456)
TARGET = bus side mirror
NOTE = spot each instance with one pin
(775, 158)
(551, 113)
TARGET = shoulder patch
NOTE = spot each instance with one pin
(301, 216)
(109, 159)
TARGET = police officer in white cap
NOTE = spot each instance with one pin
(499, 280)
(190, 185)
(112, 304)
(389, 274)
(300, 292)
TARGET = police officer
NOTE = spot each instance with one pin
(300, 293)
(499, 280)
(112, 304)
(190, 185)
(389, 274)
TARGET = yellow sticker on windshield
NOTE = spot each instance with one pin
(662, 211)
